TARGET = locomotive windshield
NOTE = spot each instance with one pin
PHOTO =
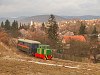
(44, 46)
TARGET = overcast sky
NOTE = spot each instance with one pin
(15, 8)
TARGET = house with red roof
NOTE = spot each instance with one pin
(67, 39)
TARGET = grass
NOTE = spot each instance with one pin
(14, 67)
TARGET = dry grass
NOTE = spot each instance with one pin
(4, 37)
(13, 67)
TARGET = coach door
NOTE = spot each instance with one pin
(34, 47)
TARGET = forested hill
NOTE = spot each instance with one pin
(38, 18)
(85, 17)
(44, 18)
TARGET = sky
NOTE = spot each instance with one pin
(16, 8)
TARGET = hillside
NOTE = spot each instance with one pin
(44, 18)
(41, 18)
(85, 17)
(15, 62)
(38, 18)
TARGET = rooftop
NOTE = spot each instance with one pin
(75, 37)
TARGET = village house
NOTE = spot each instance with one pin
(67, 39)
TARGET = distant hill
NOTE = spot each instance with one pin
(44, 18)
(86, 17)
(38, 18)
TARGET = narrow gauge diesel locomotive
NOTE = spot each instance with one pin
(35, 48)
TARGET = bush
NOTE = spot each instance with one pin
(80, 49)
(4, 37)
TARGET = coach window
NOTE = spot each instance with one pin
(26, 44)
(20, 42)
(35, 45)
(23, 43)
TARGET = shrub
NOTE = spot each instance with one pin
(78, 48)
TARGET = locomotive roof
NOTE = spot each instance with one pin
(44, 45)
(29, 41)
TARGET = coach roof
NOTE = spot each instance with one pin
(29, 41)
